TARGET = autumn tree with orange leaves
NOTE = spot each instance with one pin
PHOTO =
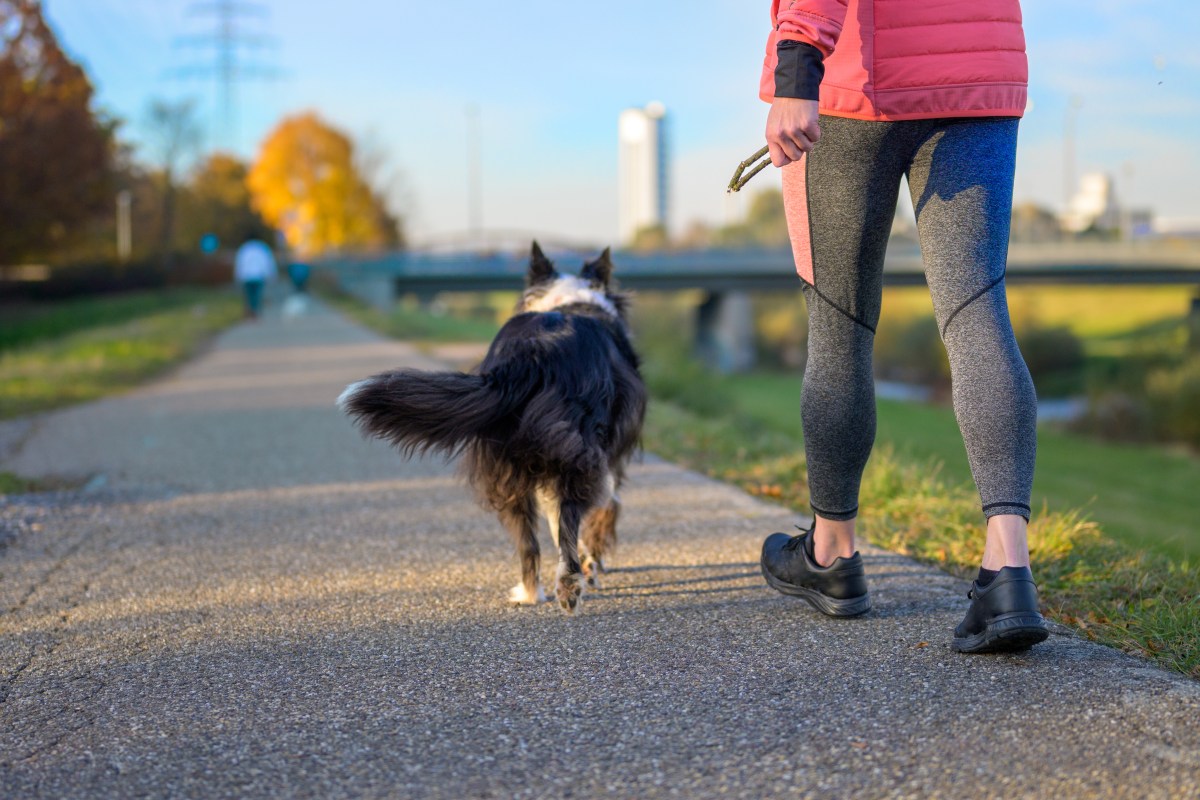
(56, 153)
(306, 184)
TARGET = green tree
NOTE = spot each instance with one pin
(765, 224)
(216, 200)
(174, 135)
(55, 152)
(650, 238)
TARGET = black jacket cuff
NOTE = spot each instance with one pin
(799, 71)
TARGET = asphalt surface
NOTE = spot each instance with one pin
(248, 600)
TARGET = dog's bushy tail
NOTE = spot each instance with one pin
(420, 411)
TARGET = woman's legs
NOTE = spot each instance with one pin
(840, 201)
(1007, 545)
(961, 181)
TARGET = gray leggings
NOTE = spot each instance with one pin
(840, 200)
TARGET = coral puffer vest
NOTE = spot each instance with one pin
(908, 59)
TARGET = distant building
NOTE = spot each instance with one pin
(642, 168)
(1094, 207)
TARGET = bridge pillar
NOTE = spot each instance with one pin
(725, 331)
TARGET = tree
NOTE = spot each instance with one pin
(765, 224)
(174, 134)
(650, 238)
(55, 152)
(306, 184)
(216, 200)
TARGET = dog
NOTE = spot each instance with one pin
(546, 425)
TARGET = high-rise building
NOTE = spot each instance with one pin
(642, 166)
(1094, 206)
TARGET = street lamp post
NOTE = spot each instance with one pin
(1073, 106)
(124, 225)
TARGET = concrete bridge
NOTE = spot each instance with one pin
(725, 330)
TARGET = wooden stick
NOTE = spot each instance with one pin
(737, 181)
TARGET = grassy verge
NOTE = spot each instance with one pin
(475, 321)
(124, 342)
(915, 497)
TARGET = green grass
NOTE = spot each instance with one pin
(27, 323)
(11, 483)
(466, 322)
(1093, 313)
(1140, 495)
(124, 341)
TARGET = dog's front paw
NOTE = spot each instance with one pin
(568, 591)
(522, 596)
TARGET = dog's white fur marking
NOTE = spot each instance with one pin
(548, 505)
(610, 489)
(567, 290)
(349, 392)
(520, 595)
(591, 571)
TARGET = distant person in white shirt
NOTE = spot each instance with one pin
(253, 266)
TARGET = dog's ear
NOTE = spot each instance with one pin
(600, 270)
(540, 268)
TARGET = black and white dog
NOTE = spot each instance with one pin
(546, 424)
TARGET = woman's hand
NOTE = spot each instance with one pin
(792, 129)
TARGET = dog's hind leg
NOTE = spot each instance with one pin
(521, 521)
(599, 535)
(569, 585)
(548, 505)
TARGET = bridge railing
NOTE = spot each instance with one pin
(725, 326)
(384, 276)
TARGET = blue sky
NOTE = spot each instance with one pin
(550, 78)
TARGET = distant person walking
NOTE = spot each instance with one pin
(253, 267)
(862, 93)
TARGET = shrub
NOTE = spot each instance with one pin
(1055, 358)
(1174, 399)
(682, 380)
(912, 352)
(1117, 415)
(107, 277)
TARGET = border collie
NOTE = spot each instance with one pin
(546, 424)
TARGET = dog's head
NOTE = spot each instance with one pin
(546, 289)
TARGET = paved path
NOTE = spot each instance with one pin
(251, 601)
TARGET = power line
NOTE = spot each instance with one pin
(228, 39)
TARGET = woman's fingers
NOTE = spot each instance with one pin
(792, 129)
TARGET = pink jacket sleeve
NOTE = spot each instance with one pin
(813, 22)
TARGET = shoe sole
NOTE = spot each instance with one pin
(1008, 633)
(830, 606)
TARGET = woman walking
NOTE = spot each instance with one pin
(863, 93)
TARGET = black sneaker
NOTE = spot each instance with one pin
(839, 590)
(1003, 616)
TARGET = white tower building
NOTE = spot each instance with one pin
(1093, 206)
(642, 167)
